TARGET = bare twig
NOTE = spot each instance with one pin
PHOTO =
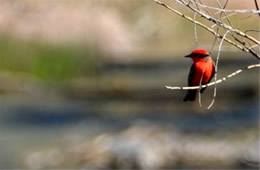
(215, 82)
(205, 9)
(253, 46)
(216, 70)
(196, 30)
(226, 16)
(213, 44)
(229, 15)
(241, 11)
(245, 49)
(252, 31)
(197, 6)
(256, 5)
(225, 5)
(201, 78)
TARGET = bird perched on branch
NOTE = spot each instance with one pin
(201, 72)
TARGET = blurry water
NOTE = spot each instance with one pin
(27, 126)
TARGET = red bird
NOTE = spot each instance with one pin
(203, 67)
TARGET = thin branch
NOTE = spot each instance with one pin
(216, 70)
(226, 16)
(215, 82)
(197, 6)
(252, 31)
(229, 15)
(213, 45)
(207, 28)
(195, 30)
(241, 11)
(201, 78)
(253, 46)
(206, 9)
(256, 5)
(225, 5)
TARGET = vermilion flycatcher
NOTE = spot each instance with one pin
(202, 71)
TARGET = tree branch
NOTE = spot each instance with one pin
(245, 49)
(215, 82)
(218, 22)
(256, 5)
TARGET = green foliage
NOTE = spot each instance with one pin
(48, 61)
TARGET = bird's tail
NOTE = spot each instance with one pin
(191, 95)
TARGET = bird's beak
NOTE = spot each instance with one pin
(188, 55)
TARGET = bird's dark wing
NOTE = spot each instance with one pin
(191, 94)
(191, 75)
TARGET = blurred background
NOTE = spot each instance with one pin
(82, 86)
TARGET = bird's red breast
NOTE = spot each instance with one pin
(204, 68)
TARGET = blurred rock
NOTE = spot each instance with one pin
(251, 154)
(45, 159)
(146, 147)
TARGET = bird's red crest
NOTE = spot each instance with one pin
(200, 51)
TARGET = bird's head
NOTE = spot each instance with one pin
(198, 54)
